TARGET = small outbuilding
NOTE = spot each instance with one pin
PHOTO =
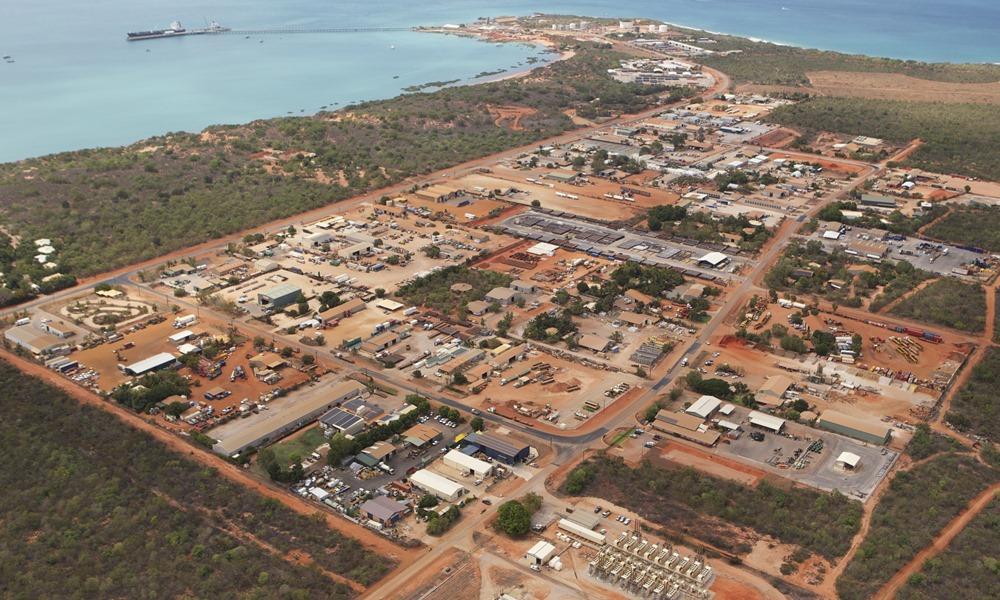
(540, 553)
(713, 259)
(766, 421)
(383, 510)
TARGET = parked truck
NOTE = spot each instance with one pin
(184, 321)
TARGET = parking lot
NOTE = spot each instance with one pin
(932, 257)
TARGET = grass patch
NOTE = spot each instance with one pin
(975, 409)
(958, 138)
(917, 505)
(977, 226)
(621, 437)
(686, 500)
(110, 512)
(300, 447)
(947, 302)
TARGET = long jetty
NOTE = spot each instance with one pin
(313, 30)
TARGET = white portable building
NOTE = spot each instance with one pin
(581, 531)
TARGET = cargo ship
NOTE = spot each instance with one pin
(175, 30)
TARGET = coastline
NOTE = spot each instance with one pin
(540, 41)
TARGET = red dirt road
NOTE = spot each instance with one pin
(941, 542)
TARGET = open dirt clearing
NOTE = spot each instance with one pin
(713, 465)
(885, 86)
(894, 86)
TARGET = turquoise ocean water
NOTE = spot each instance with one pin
(75, 83)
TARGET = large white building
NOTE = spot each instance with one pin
(460, 461)
(438, 485)
(704, 406)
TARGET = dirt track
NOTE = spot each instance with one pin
(976, 505)
(371, 540)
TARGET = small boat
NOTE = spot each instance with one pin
(392, 46)
(395, 76)
(7, 57)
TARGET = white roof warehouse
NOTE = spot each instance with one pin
(153, 363)
(255, 431)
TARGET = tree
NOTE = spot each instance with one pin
(308, 359)
(459, 379)
(823, 342)
(427, 501)
(578, 479)
(340, 448)
(532, 502)
(794, 343)
(513, 519)
(432, 251)
(651, 411)
(536, 203)
(477, 424)
(329, 299)
(504, 325)
(176, 409)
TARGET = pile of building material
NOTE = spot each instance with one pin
(907, 348)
